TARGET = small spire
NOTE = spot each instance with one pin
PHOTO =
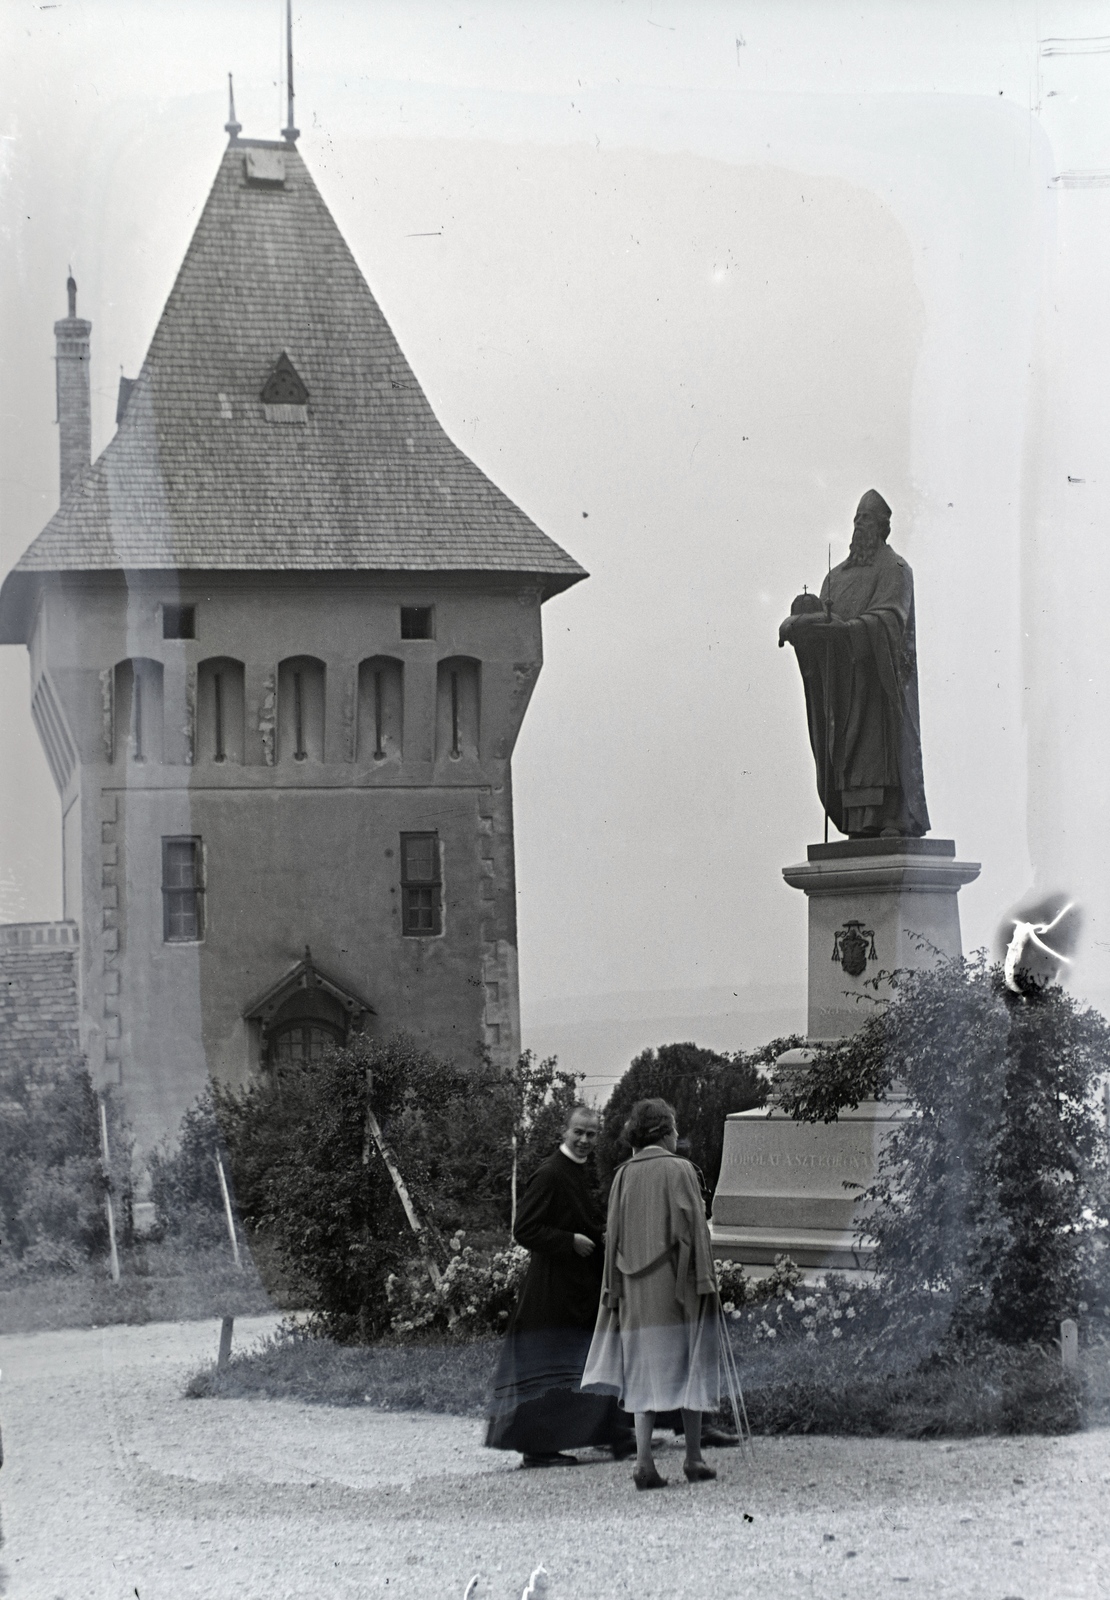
(231, 126)
(289, 133)
(71, 291)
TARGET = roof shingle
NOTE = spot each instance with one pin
(367, 479)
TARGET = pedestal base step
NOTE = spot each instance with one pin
(823, 1248)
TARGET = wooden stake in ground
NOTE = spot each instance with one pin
(227, 1211)
(1069, 1344)
(224, 1356)
(374, 1132)
(113, 1253)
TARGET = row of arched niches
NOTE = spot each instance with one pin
(295, 723)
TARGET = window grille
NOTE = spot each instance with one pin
(421, 885)
(304, 1040)
(182, 891)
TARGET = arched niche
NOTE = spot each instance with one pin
(300, 708)
(137, 710)
(380, 709)
(220, 710)
(458, 709)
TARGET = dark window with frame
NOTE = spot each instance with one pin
(421, 885)
(417, 622)
(182, 891)
(303, 1040)
(179, 622)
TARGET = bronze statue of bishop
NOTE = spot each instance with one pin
(856, 648)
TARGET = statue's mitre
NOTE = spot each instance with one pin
(873, 505)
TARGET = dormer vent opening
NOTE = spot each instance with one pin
(264, 169)
(284, 394)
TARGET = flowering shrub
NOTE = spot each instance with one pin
(827, 1311)
(736, 1289)
(476, 1293)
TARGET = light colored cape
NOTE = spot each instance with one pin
(655, 1204)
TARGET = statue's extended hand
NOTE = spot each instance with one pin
(808, 621)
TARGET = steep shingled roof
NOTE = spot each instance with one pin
(197, 477)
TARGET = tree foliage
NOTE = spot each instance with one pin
(185, 1184)
(543, 1096)
(52, 1181)
(305, 1172)
(986, 1210)
(702, 1085)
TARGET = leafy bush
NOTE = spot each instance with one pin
(542, 1098)
(308, 1175)
(988, 1212)
(475, 1296)
(702, 1085)
(185, 1184)
(52, 1183)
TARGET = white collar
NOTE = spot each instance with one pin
(579, 1161)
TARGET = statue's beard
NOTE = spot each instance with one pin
(865, 544)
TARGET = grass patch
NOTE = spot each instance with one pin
(795, 1388)
(159, 1282)
(1000, 1390)
(290, 1365)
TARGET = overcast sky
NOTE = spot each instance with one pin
(684, 279)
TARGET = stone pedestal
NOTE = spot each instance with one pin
(782, 1187)
(874, 905)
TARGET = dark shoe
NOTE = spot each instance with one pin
(649, 1480)
(556, 1459)
(623, 1446)
(717, 1438)
(698, 1472)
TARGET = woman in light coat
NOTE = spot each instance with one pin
(658, 1340)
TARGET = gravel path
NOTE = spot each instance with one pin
(115, 1487)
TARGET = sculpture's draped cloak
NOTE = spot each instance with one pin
(657, 1344)
(536, 1407)
(861, 699)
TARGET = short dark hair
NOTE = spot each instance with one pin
(580, 1105)
(648, 1122)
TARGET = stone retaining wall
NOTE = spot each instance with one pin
(38, 995)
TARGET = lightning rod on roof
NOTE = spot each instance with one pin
(231, 126)
(289, 133)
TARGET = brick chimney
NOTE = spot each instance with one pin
(74, 424)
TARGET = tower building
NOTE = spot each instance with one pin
(283, 634)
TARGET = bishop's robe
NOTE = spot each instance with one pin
(861, 699)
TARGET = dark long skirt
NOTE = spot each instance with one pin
(537, 1406)
(561, 1419)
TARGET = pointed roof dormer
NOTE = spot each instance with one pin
(308, 978)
